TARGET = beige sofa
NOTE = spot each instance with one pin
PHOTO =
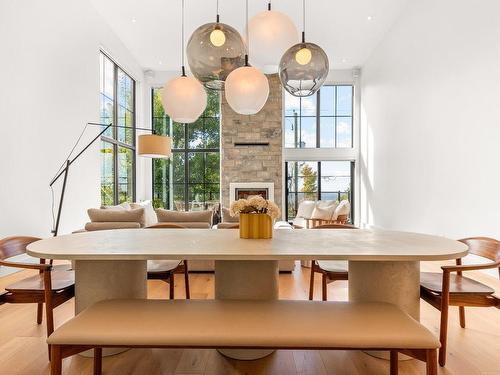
(142, 215)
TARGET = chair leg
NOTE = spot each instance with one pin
(431, 362)
(186, 280)
(324, 288)
(39, 313)
(56, 360)
(461, 312)
(443, 327)
(171, 285)
(97, 361)
(311, 282)
(394, 362)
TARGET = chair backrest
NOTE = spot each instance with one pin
(12, 246)
(335, 226)
(483, 246)
(165, 225)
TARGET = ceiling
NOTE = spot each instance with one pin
(347, 30)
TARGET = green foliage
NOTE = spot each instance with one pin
(310, 177)
(204, 167)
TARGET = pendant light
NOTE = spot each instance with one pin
(213, 51)
(304, 67)
(247, 88)
(271, 34)
(184, 99)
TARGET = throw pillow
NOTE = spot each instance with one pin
(305, 209)
(324, 213)
(149, 212)
(106, 215)
(344, 208)
(169, 216)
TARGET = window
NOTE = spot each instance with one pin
(319, 147)
(323, 120)
(117, 106)
(190, 180)
(317, 180)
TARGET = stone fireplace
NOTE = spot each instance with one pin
(251, 149)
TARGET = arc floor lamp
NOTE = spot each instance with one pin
(149, 145)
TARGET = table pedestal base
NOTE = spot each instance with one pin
(246, 280)
(393, 282)
(100, 280)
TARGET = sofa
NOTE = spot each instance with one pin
(142, 215)
(312, 213)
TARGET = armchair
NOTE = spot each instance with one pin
(451, 288)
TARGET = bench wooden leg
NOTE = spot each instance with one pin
(431, 362)
(97, 361)
(394, 362)
(55, 360)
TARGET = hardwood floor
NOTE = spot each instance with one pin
(473, 350)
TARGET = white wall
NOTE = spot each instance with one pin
(431, 121)
(49, 74)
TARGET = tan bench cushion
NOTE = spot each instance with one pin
(233, 323)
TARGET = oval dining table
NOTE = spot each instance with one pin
(383, 265)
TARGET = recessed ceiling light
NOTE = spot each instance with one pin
(159, 63)
(134, 20)
(369, 18)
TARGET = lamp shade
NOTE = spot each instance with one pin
(184, 99)
(303, 69)
(247, 90)
(154, 146)
(214, 50)
(271, 33)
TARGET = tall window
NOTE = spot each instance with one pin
(190, 180)
(321, 121)
(117, 106)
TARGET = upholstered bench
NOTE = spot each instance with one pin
(243, 324)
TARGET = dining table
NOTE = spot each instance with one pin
(383, 265)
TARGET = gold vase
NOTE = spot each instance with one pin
(257, 226)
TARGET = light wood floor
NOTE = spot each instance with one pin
(474, 350)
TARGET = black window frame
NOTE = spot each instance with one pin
(114, 141)
(350, 193)
(184, 151)
(317, 116)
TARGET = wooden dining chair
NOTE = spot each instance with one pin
(166, 269)
(330, 270)
(445, 289)
(53, 285)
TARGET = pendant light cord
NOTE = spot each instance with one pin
(303, 21)
(217, 17)
(182, 42)
(246, 34)
(269, 5)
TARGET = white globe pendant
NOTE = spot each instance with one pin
(271, 33)
(184, 99)
(247, 90)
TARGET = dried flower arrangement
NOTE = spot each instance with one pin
(255, 205)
